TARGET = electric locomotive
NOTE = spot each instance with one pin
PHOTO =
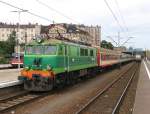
(48, 63)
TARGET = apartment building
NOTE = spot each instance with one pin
(87, 34)
(94, 31)
(25, 33)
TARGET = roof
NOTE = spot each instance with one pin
(103, 50)
(45, 42)
(56, 41)
(5, 25)
(70, 28)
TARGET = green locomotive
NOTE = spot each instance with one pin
(49, 63)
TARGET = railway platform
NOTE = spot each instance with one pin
(5, 66)
(9, 77)
(142, 99)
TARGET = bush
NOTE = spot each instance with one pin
(4, 61)
(7, 48)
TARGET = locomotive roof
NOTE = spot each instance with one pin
(45, 42)
(55, 41)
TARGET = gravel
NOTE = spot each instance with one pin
(128, 102)
(69, 99)
(107, 101)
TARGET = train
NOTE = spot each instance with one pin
(51, 63)
(138, 57)
(15, 61)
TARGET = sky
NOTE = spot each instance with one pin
(133, 16)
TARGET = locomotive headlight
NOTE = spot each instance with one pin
(49, 67)
(27, 68)
(39, 40)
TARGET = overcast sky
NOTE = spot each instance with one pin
(135, 13)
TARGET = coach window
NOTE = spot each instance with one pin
(103, 57)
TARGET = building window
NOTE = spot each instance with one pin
(3, 35)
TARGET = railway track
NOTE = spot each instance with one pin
(6, 104)
(23, 97)
(114, 108)
(10, 97)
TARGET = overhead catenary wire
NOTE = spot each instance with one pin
(114, 16)
(44, 18)
(122, 18)
(105, 34)
(55, 10)
(124, 29)
(126, 41)
(29, 12)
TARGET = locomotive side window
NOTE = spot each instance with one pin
(86, 52)
(60, 50)
(73, 51)
(91, 53)
(81, 52)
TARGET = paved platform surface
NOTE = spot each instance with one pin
(5, 65)
(142, 99)
(9, 77)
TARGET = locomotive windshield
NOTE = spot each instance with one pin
(48, 50)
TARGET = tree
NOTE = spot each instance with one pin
(7, 47)
(130, 48)
(11, 42)
(3, 47)
(110, 46)
(107, 45)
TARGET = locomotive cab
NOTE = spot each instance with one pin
(39, 62)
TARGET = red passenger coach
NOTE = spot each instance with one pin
(108, 57)
(15, 59)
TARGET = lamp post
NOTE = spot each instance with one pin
(19, 34)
